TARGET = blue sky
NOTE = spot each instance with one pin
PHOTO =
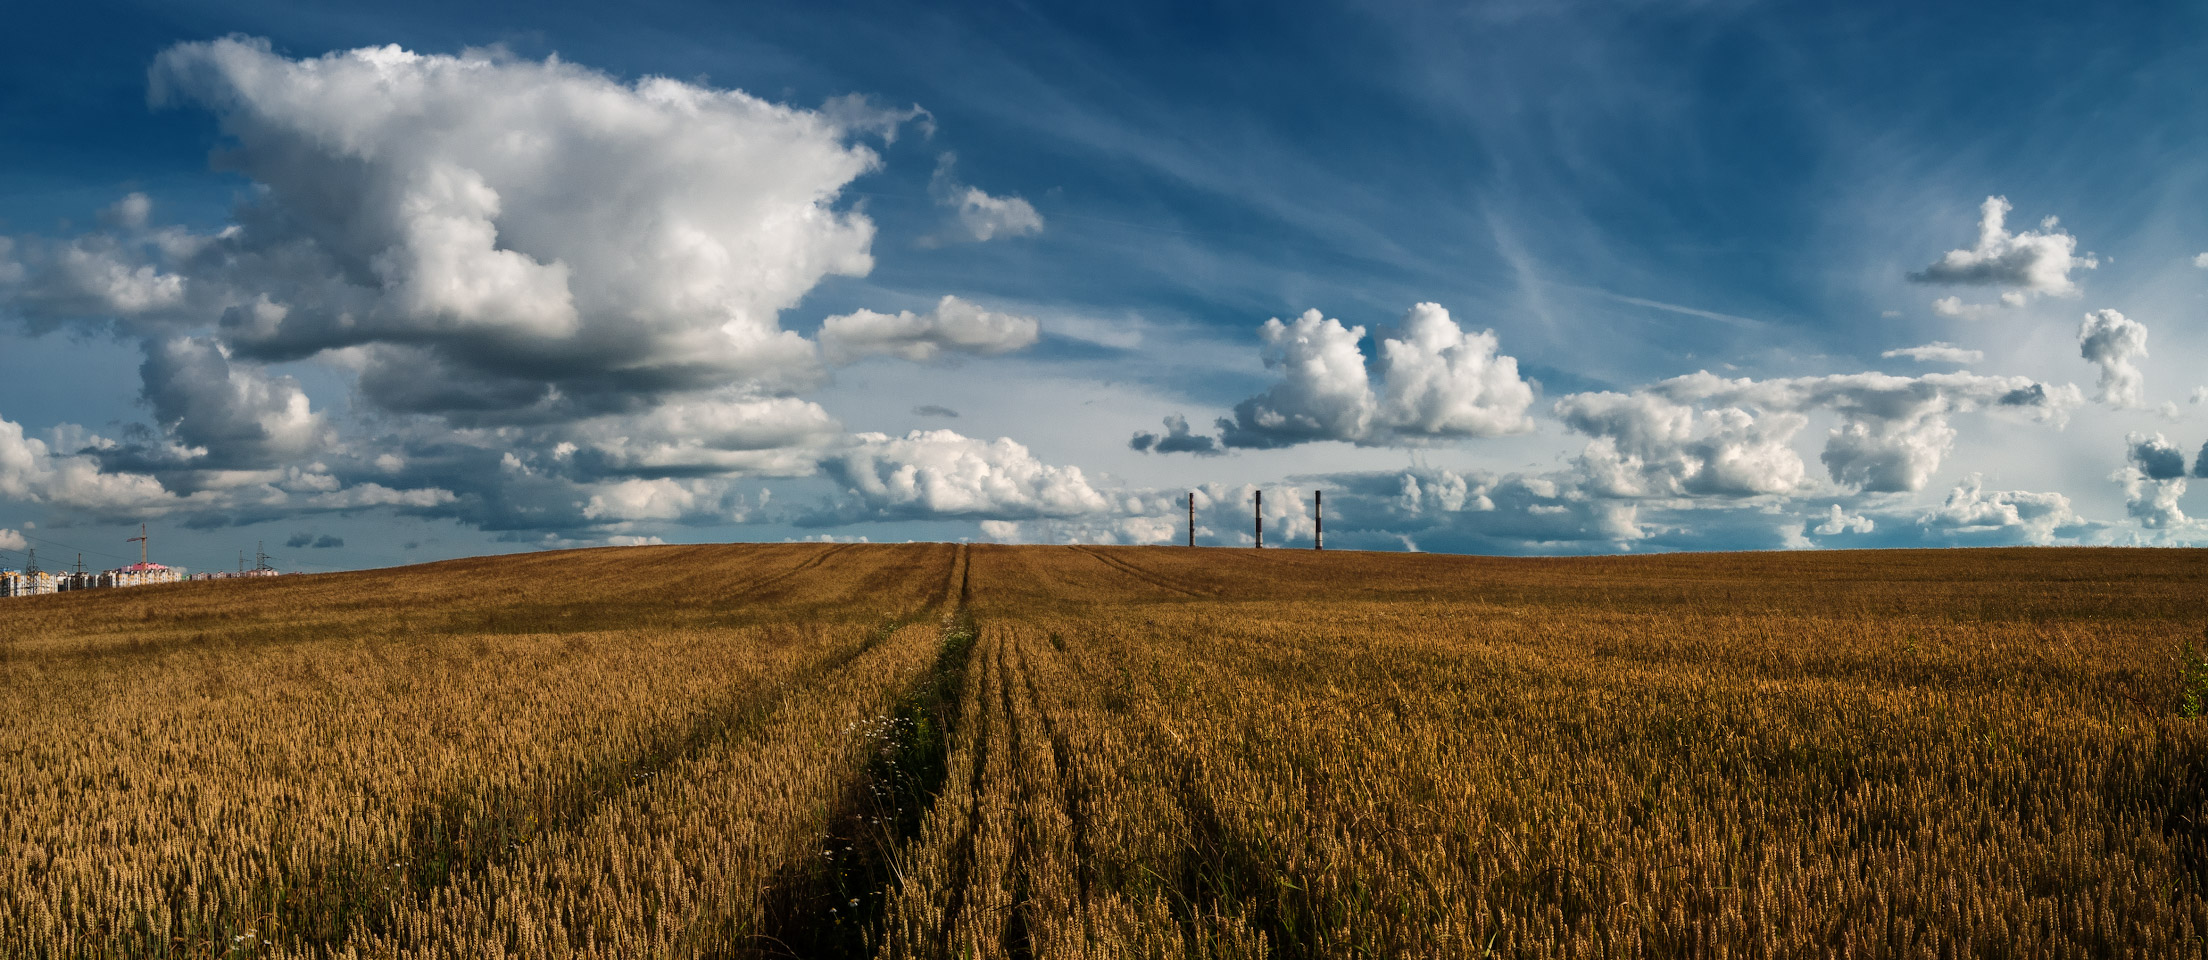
(442, 279)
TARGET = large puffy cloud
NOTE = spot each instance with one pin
(939, 473)
(1647, 445)
(2030, 263)
(954, 326)
(1888, 456)
(2115, 343)
(34, 472)
(234, 412)
(2153, 478)
(1323, 393)
(2000, 516)
(569, 282)
(1705, 434)
(537, 227)
(1443, 382)
(1436, 383)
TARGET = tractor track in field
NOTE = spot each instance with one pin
(1139, 574)
(832, 908)
(461, 832)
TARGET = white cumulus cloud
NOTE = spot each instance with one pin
(2002, 514)
(939, 473)
(1705, 434)
(954, 326)
(1439, 381)
(564, 280)
(2028, 263)
(1323, 394)
(2115, 343)
(1436, 382)
(1647, 445)
(2153, 478)
(33, 472)
(656, 499)
(502, 234)
(1838, 521)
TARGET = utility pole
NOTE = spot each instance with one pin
(1318, 519)
(1259, 513)
(1192, 518)
(260, 559)
(241, 563)
(144, 548)
(31, 568)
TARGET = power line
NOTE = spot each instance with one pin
(386, 561)
(78, 547)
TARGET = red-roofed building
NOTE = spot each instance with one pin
(140, 574)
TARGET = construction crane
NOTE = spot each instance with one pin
(144, 553)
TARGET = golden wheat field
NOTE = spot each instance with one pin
(942, 751)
